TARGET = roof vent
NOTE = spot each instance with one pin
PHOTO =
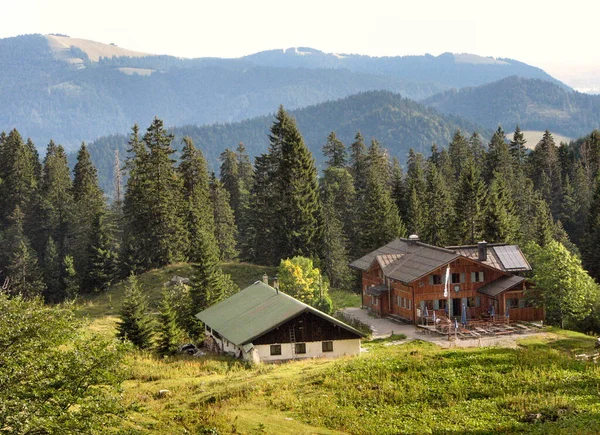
(482, 250)
(413, 239)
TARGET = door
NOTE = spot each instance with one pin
(456, 308)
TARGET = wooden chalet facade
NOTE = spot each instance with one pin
(263, 324)
(405, 279)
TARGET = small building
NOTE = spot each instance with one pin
(406, 278)
(263, 324)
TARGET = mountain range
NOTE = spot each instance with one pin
(73, 90)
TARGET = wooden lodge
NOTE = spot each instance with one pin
(405, 279)
(263, 324)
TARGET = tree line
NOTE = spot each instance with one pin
(62, 238)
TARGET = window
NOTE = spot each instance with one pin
(429, 305)
(300, 347)
(276, 349)
(477, 277)
(327, 346)
(473, 302)
(435, 279)
(374, 301)
(442, 304)
(455, 278)
(512, 303)
(409, 303)
(398, 301)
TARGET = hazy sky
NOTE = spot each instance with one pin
(561, 39)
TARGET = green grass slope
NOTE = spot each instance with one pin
(391, 388)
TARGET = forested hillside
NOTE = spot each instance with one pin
(396, 122)
(69, 97)
(533, 104)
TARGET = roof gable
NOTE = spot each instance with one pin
(256, 310)
(405, 260)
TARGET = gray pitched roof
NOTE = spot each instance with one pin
(500, 285)
(406, 260)
(256, 310)
(507, 258)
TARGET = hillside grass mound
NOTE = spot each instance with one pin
(417, 388)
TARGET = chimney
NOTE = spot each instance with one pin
(412, 240)
(266, 279)
(482, 251)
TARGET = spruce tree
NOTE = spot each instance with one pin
(517, 146)
(135, 322)
(88, 203)
(438, 209)
(230, 178)
(416, 187)
(398, 187)
(69, 279)
(545, 171)
(225, 229)
(298, 224)
(198, 206)
(469, 205)
(358, 164)
(103, 258)
(459, 152)
(169, 333)
(335, 151)
(498, 158)
(591, 241)
(335, 242)
(52, 273)
(501, 223)
(57, 198)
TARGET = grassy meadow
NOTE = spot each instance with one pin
(391, 388)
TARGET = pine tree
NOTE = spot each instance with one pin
(298, 225)
(135, 323)
(155, 234)
(20, 261)
(358, 164)
(242, 215)
(517, 147)
(469, 205)
(545, 171)
(477, 149)
(501, 223)
(398, 187)
(459, 152)
(69, 279)
(335, 242)
(169, 333)
(225, 229)
(88, 203)
(591, 241)
(416, 187)
(230, 178)
(335, 151)
(438, 209)
(498, 158)
(380, 221)
(54, 291)
(57, 199)
(102, 256)
(198, 206)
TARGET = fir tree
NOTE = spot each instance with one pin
(335, 255)
(298, 225)
(438, 209)
(169, 333)
(398, 187)
(69, 280)
(198, 206)
(501, 223)
(52, 273)
(545, 171)
(135, 323)
(358, 164)
(230, 179)
(225, 229)
(335, 151)
(102, 257)
(459, 152)
(469, 205)
(498, 158)
(337, 188)
(517, 146)
(88, 203)
(416, 187)
(591, 241)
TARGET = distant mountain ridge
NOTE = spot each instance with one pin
(531, 103)
(68, 96)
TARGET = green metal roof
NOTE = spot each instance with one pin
(256, 310)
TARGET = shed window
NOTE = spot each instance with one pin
(300, 347)
(276, 349)
(435, 279)
(327, 346)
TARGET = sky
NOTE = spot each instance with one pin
(560, 39)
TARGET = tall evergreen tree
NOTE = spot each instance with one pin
(459, 152)
(103, 256)
(469, 205)
(337, 188)
(335, 151)
(438, 209)
(416, 187)
(52, 271)
(198, 207)
(545, 171)
(155, 231)
(498, 158)
(88, 203)
(335, 255)
(135, 324)
(299, 222)
(501, 223)
(225, 228)
(358, 164)
(517, 146)
(230, 178)
(169, 333)
(590, 252)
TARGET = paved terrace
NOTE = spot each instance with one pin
(384, 328)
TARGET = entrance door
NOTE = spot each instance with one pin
(456, 307)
